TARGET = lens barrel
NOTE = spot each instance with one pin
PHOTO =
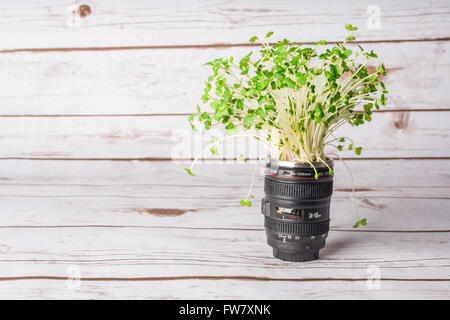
(296, 208)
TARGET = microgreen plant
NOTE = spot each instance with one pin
(296, 95)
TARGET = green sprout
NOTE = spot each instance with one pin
(189, 171)
(362, 222)
(297, 96)
(246, 203)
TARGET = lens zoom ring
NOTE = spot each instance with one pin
(299, 190)
(298, 228)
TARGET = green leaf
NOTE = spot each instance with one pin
(289, 82)
(246, 203)
(381, 70)
(383, 99)
(351, 38)
(253, 39)
(249, 118)
(213, 149)
(362, 222)
(191, 117)
(318, 113)
(269, 34)
(349, 27)
(261, 113)
(208, 87)
(230, 126)
(358, 151)
(269, 107)
(231, 132)
(261, 100)
(301, 78)
(220, 113)
(240, 104)
(189, 171)
(205, 115)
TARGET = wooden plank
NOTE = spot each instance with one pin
(402, 134)
(223, 289)
(145, 195)
(111, 261)
(49, 24)
(138, 229)
(200, 210)
(395, 174)
(171, 81)
(163, 252)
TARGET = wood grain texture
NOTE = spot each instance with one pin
(171, 81)
(164, 253)
(403, 134)
(88, 95)
(123, 223)
(147, 195)
(133, 24)
(224, 289)
(401, 174)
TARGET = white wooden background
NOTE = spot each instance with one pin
(93, 95)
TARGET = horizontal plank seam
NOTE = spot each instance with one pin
(189, 198)
(196, 46)
(242, 278)
(179, 114)
(321, 264)
(179, 160)
(95, 185)
(233, 186)
(208, 228)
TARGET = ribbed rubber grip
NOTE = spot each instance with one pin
(295, 256)
(302, 190)
(301, 229)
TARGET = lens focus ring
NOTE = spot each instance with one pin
(298, 228)
(323, 189)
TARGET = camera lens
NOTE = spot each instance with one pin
(296, 208)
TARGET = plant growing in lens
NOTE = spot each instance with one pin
(296, 96)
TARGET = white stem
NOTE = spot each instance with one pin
(353, 184)
(220, 141)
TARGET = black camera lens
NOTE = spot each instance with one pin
(296, 208)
